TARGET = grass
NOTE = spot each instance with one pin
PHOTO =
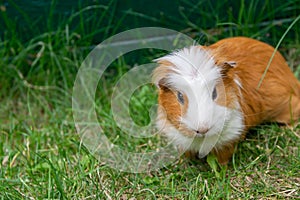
(41, 154)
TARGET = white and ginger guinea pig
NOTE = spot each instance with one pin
(209, 96)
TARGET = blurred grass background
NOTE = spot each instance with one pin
(42, 44)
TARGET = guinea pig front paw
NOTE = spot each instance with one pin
(224, 154)
(191, 155)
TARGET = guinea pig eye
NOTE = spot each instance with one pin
(180, 97)
(214, 94)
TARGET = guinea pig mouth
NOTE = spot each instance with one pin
(193, 134)
(201, 131)
(199, 135)
(206, 132)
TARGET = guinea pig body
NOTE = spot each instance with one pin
(209, 96)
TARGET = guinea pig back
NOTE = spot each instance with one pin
(278, 97)
(209, 95)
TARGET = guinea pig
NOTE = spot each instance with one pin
(209, 96)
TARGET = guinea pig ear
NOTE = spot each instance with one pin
(162, 84)
(226, 66)
(159, 75)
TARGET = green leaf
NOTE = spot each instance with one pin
(213, 163)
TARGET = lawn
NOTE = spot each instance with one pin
(41, 153)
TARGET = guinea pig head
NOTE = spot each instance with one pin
(195, 94)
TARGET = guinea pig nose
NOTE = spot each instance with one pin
(202, 130)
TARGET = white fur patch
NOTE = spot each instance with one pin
(194, 73)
